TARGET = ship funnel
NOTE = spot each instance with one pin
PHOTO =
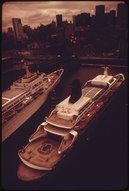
(27, 70)
(76, 91)
(105, 72)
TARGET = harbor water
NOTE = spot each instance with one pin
(98, 161)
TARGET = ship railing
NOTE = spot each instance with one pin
(95, 100)
(17, 84)
(53, 112)
(12, 110)
(59, 72)
(87, 83)
(55, 81)
(98, 94)
(90, 84)
(66, 138)
(74, 133)
(83, 113)
(87, 109)
(116, 79)
(120, 75)
(16, 87)
(10, 114)
(105, 93)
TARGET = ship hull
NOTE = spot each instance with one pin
(28, 174)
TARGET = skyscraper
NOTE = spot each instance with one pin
(18, 29)
(100, 9)
(100, 15)
(122, 15)
(10, 31)
(112, 17)
(82, 19)
(59, 21)
(122, 10)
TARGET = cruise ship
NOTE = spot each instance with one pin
(24, 97)
(66, 123)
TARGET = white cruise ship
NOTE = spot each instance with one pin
(71, 110)
(65, 124)
(24, 97)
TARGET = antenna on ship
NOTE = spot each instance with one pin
(76, 91)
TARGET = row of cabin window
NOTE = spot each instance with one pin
(36, 84)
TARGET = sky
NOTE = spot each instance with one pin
(34, 13)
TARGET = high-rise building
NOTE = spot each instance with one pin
(100, 9)
(74, 19)
(100, 15)
(82, 19)
(18, 29)
(110, 18)
(59, 21)
(122, 10)
(122, 14)
(10, 31)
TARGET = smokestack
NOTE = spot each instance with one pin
(76, 91)
(27, 70)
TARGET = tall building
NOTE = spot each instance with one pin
(122, 10)
(59, 21)
(110, 18)
(122, 15)
(10, 31)
(82, 19)
(100, 15)
(74, 19)
(100, 9)
(18, 29)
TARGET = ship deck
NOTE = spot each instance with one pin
(9, 94)
(42, 153)
(14, 123)
(55, 120)
(91, 92)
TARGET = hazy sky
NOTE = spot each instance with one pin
(36, 12)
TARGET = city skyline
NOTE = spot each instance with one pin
(36, 13)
